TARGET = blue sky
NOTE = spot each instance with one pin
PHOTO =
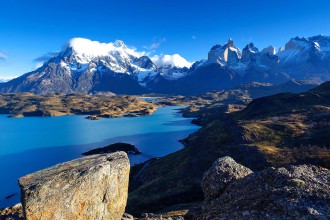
(32, 28)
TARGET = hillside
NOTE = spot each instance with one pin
(275, 131)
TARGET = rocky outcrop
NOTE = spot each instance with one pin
(93, 187)
(128, 148)
(294, 192)
(12, 213)
(223, 172)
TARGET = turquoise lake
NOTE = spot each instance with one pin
(33, 143)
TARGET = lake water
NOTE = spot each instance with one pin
(33, 143)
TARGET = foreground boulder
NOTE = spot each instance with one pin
(223, 172)
(93, 187)
(295, 192)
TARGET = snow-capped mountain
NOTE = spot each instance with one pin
(307, 58)
(85, 66)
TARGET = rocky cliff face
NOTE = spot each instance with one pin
(293, 192)
(93, 187)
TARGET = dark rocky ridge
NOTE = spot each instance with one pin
(128, 148)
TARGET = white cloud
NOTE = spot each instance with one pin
(174, 60)
(155, 44)
(46, 57)
(38, 65)
(95, 48)
(194, 37)
(89, 48)
(6, 78)
(3, 56)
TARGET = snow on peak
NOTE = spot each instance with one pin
(296, 43)
(251, 48)
(88, 49)
(300, 49)
(230, 43)
(174, 60)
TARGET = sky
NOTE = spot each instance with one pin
(30, 29)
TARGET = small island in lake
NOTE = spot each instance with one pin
(128, 148)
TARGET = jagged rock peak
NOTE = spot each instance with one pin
(226, 54)
(230, 43)
(250, 47)
(280, 49)
(249, 53)
(320, 42)
(269, 50)
(296, 43)
(145, 62)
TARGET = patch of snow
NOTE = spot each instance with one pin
(173, 75)
(239, 67)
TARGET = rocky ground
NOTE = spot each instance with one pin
(292, 192)
(28, 104)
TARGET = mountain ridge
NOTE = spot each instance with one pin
(85, 66)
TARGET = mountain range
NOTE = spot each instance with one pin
(85, 66)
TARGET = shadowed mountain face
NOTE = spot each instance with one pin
(275, 131)
(116, 68)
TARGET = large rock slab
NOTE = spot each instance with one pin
(224, 171)
(93, 187)
(294, 192)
